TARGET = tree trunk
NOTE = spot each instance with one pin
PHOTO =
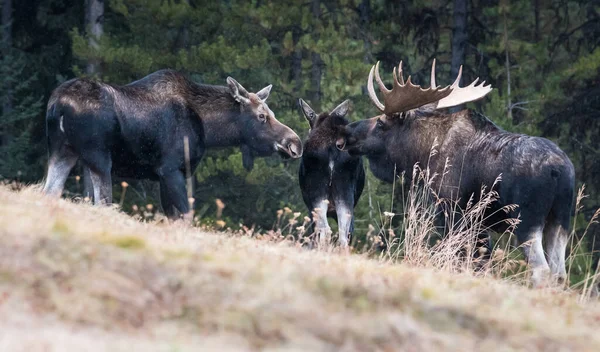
(183, 36)
(536, 13)
(317, 63)
(364, 10)
(94, 17)
(6, 48)
(459, 41)
(297, 59)
(7, 42)
(507, 67)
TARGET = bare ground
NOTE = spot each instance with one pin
(75, 277)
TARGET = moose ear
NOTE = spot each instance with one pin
(342, 109)
(247, 158)
(308, 112)
(263, 94)
(239, 93)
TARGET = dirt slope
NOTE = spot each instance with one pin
(75, 277)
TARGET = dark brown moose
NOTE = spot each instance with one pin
(536, 175)
(331, 180)
(138, 131)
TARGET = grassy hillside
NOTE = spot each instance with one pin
(76, 277)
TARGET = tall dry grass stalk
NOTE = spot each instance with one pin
(438, 233)
(588, 286)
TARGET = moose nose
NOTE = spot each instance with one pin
(340, 143)
(295, 150)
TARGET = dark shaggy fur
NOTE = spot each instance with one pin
(327, 173)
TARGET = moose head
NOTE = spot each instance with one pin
(261, 133)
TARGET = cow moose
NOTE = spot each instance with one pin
(331, 180)
(536, 175)
(139, 131)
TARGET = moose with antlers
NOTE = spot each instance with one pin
(330, 179)
(536, 175)
(139, 131)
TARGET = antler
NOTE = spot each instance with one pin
(403, 96)
(463, 95)
(407, 96)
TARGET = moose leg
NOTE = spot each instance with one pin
(556, 239)
(483, 250)
(102, 184)
(173, 197)
(530, 240)
(344, 219)
(59, 167)
(322, 228)
(99, 163)
(88, 186)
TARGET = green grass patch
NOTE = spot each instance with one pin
(125, 242)
(60, 227)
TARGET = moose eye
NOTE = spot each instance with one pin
(380, 123)
(262, 118)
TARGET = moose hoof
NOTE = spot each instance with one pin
(540, 277)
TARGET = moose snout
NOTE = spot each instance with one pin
(291, 148)
(295, 149)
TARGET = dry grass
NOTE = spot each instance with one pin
(77, 277)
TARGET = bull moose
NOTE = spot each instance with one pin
(331, 180)
(139, 131)
(537, 176)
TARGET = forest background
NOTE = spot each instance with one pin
(542, 58)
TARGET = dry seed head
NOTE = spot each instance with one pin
(124, 184)
(220, 223)
(287, 210)
(77, 178)
(279, 213)
(149, 207)
(134, 207)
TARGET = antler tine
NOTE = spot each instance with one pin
(382, 86)
(371, 91)
(400, 74)
(462, 95)
(433, 85)
(458, 77)
(398, 79)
